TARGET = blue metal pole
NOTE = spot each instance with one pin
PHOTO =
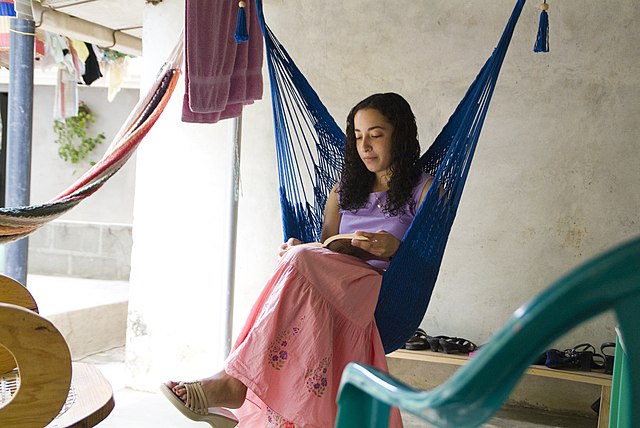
(19, 133)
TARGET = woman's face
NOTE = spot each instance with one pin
(373, 140)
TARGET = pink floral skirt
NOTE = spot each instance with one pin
(314, 316)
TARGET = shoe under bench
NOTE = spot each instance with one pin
(594, 378)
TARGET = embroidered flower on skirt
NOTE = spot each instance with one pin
(316, 379)
(278, 354)
(274, 420)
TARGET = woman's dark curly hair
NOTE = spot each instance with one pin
(356, 181)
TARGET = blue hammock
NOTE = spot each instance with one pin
(309, 147)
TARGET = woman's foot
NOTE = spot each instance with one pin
(220, 389)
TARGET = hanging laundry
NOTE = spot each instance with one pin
(81, 49)
(221, 76)
(91, 66)
(71, 55)
(116, 70)
(52, 53)
(62, 54)
(115, 65)
(59, 54)
(66, 96)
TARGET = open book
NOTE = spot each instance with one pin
(341, 243)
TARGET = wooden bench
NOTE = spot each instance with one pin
(593, 378)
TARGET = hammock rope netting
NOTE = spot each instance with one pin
(309, 148)
(306, 134)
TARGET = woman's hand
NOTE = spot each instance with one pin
(381, 243)
(290, 243)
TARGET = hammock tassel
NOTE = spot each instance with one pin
(242, 35)
(542, 41)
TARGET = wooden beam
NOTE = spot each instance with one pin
(75, 28)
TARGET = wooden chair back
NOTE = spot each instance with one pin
(39, 355)
(11, 291)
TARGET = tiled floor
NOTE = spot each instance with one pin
(136, 409)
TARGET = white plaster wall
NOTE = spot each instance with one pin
(553, 181)
(179, 234)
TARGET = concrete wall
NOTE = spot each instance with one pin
(82, 249)
(553, 181)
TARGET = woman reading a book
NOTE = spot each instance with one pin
(316, 313)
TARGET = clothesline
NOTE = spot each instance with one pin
(76, 62)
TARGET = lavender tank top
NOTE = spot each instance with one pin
(371, 218)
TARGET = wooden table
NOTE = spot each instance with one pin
(89, 402)
(91, 399)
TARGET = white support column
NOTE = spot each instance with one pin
(176, 315)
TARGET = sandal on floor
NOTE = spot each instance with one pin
(582, 357)
(451, 345)
(588, 358)
(434, 342)
(196, 407)
(608, 356)
(418, 342)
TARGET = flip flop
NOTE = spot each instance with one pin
(196, 407)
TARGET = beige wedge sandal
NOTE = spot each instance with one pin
(196, 407)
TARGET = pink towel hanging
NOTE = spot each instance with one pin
(221, 76)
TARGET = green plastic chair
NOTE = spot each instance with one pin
(480, 387)
(619, 416)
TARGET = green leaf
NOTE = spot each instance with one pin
(75, 144)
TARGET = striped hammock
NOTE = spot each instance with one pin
(19, 222)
